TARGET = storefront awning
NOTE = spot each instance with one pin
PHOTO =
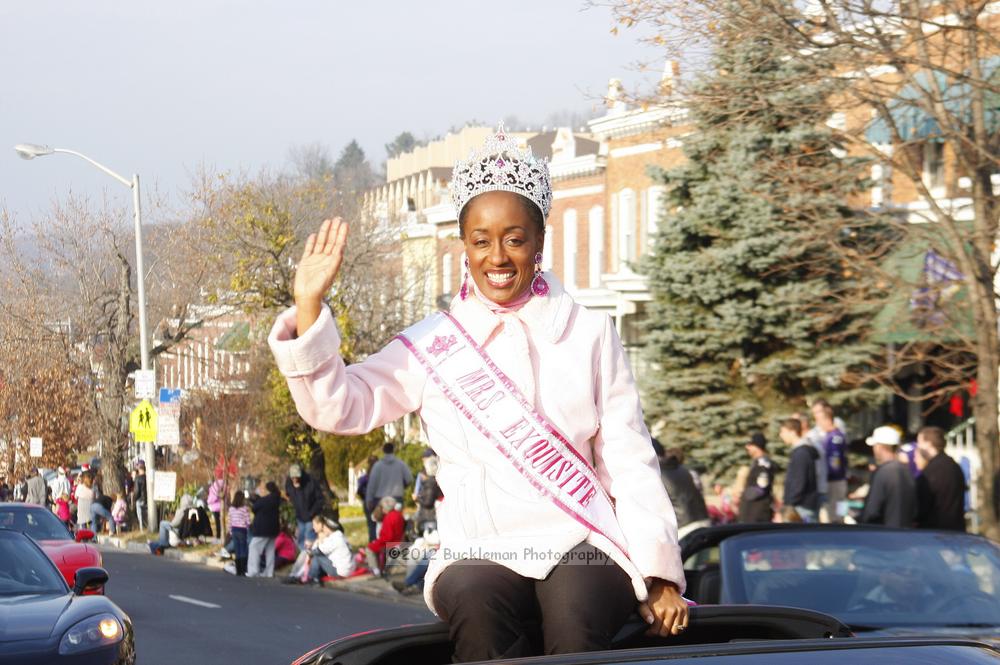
(909, 114)
(235, 339)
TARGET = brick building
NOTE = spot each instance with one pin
(212, 357)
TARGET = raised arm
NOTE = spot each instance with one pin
(329, 395)
(319, 266)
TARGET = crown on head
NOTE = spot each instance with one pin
(502, 165)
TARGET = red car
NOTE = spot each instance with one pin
(70, 553)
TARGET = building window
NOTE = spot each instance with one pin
(643, 222)
(934, 164)
(202, 362)
(878, 193)
(654, 211)
(615, 250)
(632, 326)
(595, 262)
(626, 228)
(428, 289)
(446, 263)
(569, 248)
(547, 249)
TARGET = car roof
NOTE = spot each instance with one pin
(709, 536)
(14, 534)
(11, 534)
(395, 645)
(18, 505)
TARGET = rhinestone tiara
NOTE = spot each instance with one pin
(502, 165)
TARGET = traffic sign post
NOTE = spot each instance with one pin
(169, 412)
(145, 384)
(142, 422)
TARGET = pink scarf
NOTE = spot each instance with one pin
(508, 308)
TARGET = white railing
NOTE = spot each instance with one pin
(961, 447)
(353, 474)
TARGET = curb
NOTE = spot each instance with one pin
(367, 585)
(171, 553)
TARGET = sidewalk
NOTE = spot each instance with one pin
(367, 585)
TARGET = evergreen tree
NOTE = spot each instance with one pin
(744, 322)
(403, 143)
(352, 174)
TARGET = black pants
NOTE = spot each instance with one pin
(495, 613)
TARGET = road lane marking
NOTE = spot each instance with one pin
(195, 601)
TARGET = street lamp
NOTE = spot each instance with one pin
(30, 151)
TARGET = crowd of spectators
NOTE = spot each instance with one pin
(309, 547)
(905, 484)
(75, 498)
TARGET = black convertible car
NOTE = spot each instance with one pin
(717, 635)
(42, 620)
(791, 594)
(877, 580)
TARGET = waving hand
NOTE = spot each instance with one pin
(319, 266)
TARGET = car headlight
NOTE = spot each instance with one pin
(94, 632)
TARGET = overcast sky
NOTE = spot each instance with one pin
(160, 88)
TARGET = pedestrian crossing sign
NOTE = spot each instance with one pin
(142, 422)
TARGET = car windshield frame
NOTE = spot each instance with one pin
(20, 519)
(805, 579)
(32, 572)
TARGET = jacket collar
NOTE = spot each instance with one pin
(547, 316)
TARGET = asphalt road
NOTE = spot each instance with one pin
(186, 613)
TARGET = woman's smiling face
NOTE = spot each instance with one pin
(501, 236)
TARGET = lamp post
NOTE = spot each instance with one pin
(30, 151)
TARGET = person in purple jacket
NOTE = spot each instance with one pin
(835, 454)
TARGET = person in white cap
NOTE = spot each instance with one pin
(892, 499)
(60, 484)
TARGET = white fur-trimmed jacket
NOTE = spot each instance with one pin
(568, 362)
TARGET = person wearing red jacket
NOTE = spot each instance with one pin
(390, 533)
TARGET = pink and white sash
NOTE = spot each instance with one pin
(497, 408)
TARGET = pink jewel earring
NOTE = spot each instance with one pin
(538, 284)
(463, 293)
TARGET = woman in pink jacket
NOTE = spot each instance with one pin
(555, 511)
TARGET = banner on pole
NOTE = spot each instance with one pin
(169, 413)
(164, 486)
(145, 384)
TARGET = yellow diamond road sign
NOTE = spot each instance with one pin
(142, 422)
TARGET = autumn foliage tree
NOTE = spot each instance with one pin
(73, 267)
(42, 394)
(250, 231)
